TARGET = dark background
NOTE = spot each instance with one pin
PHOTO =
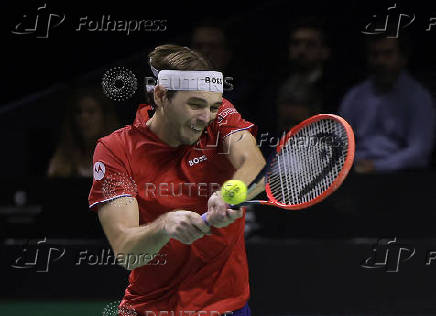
(300, 263)
(38, 73)
(258, 32)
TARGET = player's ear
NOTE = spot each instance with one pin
(160, 95)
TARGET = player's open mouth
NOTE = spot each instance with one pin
(197, 129)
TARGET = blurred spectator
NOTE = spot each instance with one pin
(89, 116)
(211, 41)
(210, 38)
(309, 56)
(305, 85)
(391, 113)
(297, 103)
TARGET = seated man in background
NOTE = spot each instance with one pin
(211, 38)
(296, 103)
(310, 64)
(391, 113)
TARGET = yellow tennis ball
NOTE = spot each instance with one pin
(234, 191)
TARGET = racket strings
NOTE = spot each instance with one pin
(309, 162)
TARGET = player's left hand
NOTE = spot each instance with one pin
(219, 214)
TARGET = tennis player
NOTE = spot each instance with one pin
(176, 159)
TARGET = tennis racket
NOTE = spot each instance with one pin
(311, 162)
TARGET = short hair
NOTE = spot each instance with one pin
(404, 42)
(311, 22)
(175, 57)
(216, 24)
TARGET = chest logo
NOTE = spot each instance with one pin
(197, 160)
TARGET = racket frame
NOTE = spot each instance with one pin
(348, 163)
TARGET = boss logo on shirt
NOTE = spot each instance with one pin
(197, 160)
(99, 170)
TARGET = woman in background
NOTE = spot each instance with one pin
(89, 116)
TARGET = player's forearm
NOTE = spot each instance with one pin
(140, 244)
(246, 158)
(250, 167)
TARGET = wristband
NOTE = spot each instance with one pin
(203, 217)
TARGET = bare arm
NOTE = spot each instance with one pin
(248, 160)
(120, 221)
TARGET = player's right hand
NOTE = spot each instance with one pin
(185, 226)
(218, 213)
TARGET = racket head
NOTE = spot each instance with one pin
(315, 179)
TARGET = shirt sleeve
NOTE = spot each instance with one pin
(420, 139)
(346, 107)
(229, 121)
(111, 178)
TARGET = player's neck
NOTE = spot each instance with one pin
(161, 127)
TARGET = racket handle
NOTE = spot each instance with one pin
(237, 206)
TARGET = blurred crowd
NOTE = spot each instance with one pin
(392, 113)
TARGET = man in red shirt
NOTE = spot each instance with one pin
(155, 178)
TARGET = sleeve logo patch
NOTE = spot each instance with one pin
(99, 170)
(221, 116)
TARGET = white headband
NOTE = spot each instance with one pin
(191, 80)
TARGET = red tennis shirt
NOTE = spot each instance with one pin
(212, 273)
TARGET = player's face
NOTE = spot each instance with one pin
(190, 112)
